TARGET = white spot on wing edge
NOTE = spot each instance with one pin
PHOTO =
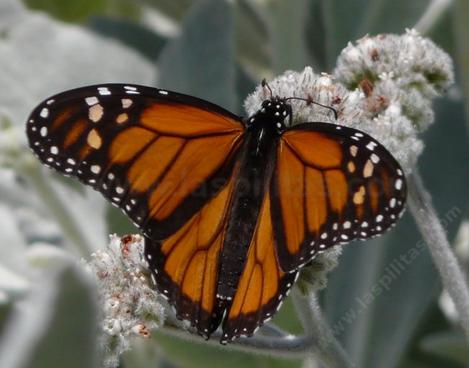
(371, 146)
(104, 91)
(398, 184)
(126, 103)
(92, 100)
(95, 169)
(44, 113)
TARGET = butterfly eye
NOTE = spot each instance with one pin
(266, 103)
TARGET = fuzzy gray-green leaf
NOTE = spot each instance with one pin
(201, 61)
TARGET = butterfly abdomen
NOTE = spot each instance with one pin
(256, 166)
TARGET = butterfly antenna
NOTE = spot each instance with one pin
(265, 85)
(310, 101)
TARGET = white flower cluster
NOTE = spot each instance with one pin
(131, 306)
(382, 85)
(410, 61)
(13, 154)
(399, 76)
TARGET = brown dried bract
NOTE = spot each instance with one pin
(336, 100)
(126, 241)
(377, 104)
(367, 87)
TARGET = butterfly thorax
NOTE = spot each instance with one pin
(271, 115)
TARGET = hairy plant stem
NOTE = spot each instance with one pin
(324, 344)
(434, 235)
(317, 341)
(434, 12)
(57, 209)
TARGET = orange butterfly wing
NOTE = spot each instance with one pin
(262, 286)
(157, 155)
(331, 185)
(185, 266)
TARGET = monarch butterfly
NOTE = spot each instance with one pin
(231, 209)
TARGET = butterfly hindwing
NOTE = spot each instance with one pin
(157, 155)
(185, 265)
(331, 185)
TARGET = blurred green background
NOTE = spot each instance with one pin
(219, 50)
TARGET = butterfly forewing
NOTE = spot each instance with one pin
(157, 155)
(331, 185)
